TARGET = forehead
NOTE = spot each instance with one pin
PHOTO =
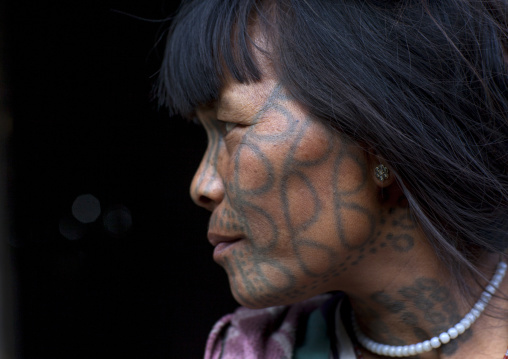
(250, 94)
(244, 97)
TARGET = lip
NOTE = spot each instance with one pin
(221, 242)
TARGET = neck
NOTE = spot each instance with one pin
(404, 311)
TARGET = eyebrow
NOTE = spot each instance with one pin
(223, 103)
(227, 105)
(236, 106)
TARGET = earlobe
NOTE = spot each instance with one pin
(382, 172)
(389, 192)
(383, 175)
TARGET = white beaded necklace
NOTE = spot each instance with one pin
(443, 338)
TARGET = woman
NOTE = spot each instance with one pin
(356, 172)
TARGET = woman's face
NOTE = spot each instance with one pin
(294, 207)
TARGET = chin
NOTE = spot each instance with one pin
(265, 300)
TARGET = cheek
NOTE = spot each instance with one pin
(356, 222)
(316, 144)
(305, 203)
(302, 202)
(350, 173)
(355, 199)
(251, 171)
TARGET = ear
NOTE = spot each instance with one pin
(381, 171)
(390, 193)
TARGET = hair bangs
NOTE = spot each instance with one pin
(207, 41)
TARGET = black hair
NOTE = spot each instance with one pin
(422, 82)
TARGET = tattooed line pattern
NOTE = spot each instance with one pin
(425, 303)
(267, 281)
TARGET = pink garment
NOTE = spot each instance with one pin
(268, 333)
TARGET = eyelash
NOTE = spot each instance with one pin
(228, 126)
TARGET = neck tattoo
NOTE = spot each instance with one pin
(443, 338)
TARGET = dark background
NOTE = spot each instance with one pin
(139, 281)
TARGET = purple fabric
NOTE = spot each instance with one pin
(268, 333)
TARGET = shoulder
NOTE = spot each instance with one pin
(263, 333)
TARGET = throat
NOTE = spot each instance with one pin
(422, 318)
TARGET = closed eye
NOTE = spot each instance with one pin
(228, 126)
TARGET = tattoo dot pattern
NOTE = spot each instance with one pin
(446, 336)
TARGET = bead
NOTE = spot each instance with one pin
(479, 306)
(475, 313)
(453, 333)
(391, 351)
(460, 328)
(405, 350)
(444, 338)
(498, 277)
(385, 349)
(466, 323)
(412, 349)
(486, 297)
(469, 316)
(435, 343)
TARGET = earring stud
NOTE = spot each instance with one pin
(382, 172)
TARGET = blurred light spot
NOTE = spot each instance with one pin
(118, 221)
(71, 229)
(86, 208)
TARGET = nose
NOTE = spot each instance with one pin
(207, 187)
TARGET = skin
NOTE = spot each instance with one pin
(308, 216)
(273, 180)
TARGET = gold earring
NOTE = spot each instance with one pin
(382, 172)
